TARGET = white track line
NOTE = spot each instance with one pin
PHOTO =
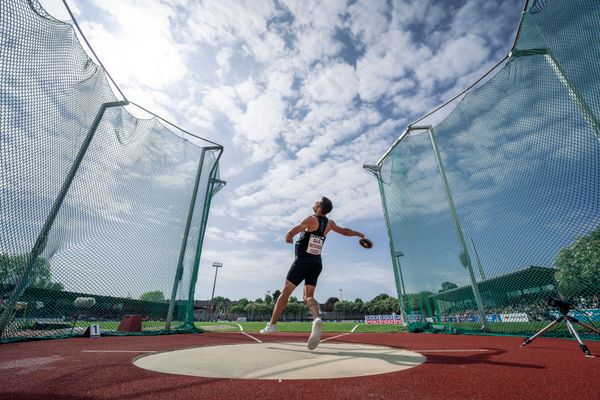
(450, 351)
(333, 337)
(252, 337)
(240, 326)
(118, 351)
(244, 333)
(343, 334)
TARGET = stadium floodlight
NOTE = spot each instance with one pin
(216, 265)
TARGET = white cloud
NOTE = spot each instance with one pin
(223, 60)
(368, 20)
(382, 70)
(233, 236)
(57, 9)
(334, 83)
(457, 58)
(140, 50)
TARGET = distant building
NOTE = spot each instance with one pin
(527, 285)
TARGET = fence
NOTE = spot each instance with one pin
(102, 214)
(496, 209)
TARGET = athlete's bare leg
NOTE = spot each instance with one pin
(309, 300)
(282, 301)
(313, 306)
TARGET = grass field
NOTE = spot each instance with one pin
(328, 327)
(510, 329)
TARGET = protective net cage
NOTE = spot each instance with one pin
(102, 214)
(496, 209)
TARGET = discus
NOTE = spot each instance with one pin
(366, 243)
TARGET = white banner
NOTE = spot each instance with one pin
(383, 319)
(514, 317)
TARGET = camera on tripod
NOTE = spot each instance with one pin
(562, 305)
(564, 308)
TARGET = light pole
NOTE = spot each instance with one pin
(399, 254)
(217, 265)
(341, 299)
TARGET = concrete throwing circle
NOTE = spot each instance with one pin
(282, 360)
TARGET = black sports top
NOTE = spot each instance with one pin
(309, 245)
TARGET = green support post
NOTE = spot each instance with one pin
(464, 258)
(399, 289)
(584, 109)
(207, 202)
(186, 232)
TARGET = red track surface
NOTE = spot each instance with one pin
(545, 369)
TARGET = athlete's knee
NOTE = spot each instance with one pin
(310, 300)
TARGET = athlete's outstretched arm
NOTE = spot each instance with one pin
(302, 226)
(345, 231)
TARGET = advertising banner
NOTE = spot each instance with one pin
(383, 319)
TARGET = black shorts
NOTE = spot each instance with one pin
(307, 271)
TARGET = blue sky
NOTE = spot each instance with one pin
(301, 94)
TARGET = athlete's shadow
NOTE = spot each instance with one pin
(410, 360)
(478, 358)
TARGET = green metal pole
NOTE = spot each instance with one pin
(192, 289)
(179, 270)
(584, 109)
(40, 243)
(464, 258)
(481, 272)
(186, 232)
(395, 267)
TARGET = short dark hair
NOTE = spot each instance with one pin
(326, 205)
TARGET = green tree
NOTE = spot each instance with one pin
(296, 308)
(380, 297)
(358, 306)
(276, 295)
(343, 306)
(268, 299)
(12, 267)
(156, 295)
(447, 286)
(243, 302)
(578, 267)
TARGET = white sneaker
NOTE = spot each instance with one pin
(269, 329)
(315, 334)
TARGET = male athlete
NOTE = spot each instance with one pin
(307, 265)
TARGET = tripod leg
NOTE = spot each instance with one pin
(574, 333)
(548, 327)
(591, 329)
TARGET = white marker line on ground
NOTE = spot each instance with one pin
(250, 336)
(343, 334)
(450, 351)
(244, 333)
(333, 337)
(118, 351)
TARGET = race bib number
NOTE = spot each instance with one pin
(315, 245)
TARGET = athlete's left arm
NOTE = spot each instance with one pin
(344, 231)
